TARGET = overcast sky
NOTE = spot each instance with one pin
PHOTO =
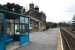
(56, 10)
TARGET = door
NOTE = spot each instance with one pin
(24, 27)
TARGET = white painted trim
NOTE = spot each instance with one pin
(61, 42)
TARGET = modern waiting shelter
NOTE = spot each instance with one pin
(13, 27)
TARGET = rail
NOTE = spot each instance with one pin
(68, 39)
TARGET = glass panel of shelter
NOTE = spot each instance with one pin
(19, 24)
(27, 24)
(1, 24)
(22, 25)
(1, 29)
(26, 20)
(10, 26)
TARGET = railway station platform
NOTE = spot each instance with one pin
(47, 40)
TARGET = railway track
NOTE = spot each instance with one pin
(68, 39)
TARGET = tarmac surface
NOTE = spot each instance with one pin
(46, 40)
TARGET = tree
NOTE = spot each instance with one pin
(9, 6)
(13, 8)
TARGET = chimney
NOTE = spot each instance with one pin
(37, 8)
(31, 6)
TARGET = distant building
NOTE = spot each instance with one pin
(73, 22)
(38, 19)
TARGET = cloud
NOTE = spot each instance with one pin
(70, 8)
